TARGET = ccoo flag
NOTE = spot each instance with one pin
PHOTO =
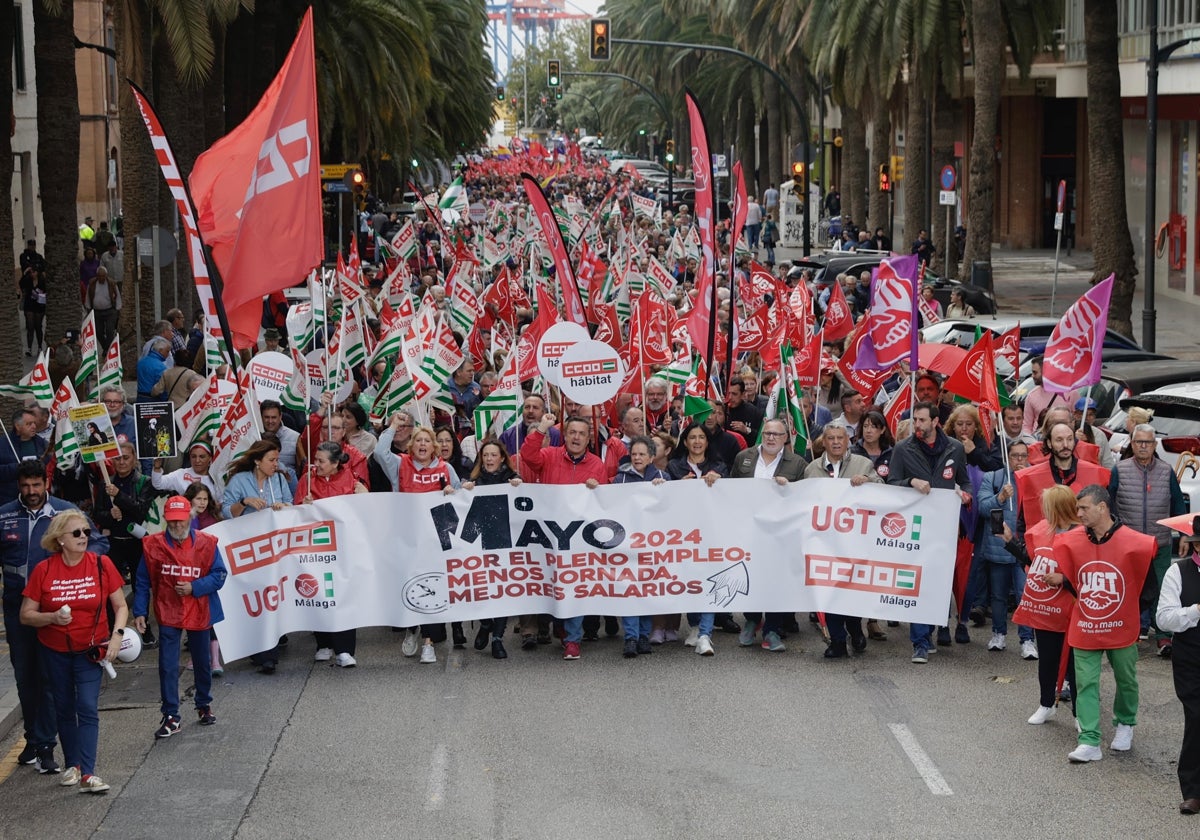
(258, 192)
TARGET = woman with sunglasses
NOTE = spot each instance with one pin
(65, 600)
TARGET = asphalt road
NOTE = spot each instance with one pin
(669, 745)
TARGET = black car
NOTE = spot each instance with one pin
(829, 265)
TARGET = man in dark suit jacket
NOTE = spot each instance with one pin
(770, 459)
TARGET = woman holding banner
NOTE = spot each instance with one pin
(1045, 603)
(640, 469)
(493, 467)
(330, 476)
(874, 441)
(419, 471)
(255, 483)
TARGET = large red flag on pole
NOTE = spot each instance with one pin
(700, 325)
(572, 300)
(258, 193)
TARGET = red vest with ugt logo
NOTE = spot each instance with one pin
(1031, 481)
(1043, 607)
(1108, 580)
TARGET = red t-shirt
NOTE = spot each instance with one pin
(53, 584)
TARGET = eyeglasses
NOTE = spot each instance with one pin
(773, 434)
(80, 532)
(114, 402)
(1143, 443)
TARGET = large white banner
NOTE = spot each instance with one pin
(400, 559)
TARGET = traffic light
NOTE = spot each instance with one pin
(553, 74)
(670, 151)
(598, 45)
(558, 94)
(885, 180)
(898, 167)
(499, 93)
(798, 173)
(354, 180)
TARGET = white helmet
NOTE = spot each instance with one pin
(131, 645)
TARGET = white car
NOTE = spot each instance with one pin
(1176, 422)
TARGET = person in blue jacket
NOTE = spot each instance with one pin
(22, 444)
(23, 522)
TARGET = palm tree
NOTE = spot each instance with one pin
(10, 362)
(1112, 245)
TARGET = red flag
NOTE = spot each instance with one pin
(739, 204)
(893, 319)
(572, 302)
(648, 323)
(866, 382)
(258, 192)
(699, 323)
(1073, 353)
(808, 362)
(839, 321)
(547, 317)
(1009, 346)
(975, 377)
(899, 404)
(754, 332)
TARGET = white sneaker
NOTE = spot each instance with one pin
(323, 655)
(1085, 753)
(69, 777)
(997, 642)
(1123, 740)
(345, 660)
(704, 646)
(1043, 714)
(411, 642)
(93, 784)
(1029, 649)
(693, 637)
(428, 657)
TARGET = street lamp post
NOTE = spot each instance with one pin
(1158, 55)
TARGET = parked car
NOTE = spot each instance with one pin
(832, 263)
(1176, 423)
(1108, 355)
(1035, 332)
(1119, 380)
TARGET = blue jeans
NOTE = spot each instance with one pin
(574, 628)
(702, 621)
(168, 667)
(920, 634)
(636, 626)
(75, 682)
(752, 232)
(977, 584)
(33, 689)
(1006, 578)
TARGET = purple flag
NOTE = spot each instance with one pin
(894, 319)
(1073, 354)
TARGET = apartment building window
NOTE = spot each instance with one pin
(18, 50)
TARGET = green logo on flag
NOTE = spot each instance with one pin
(906, 579)
(916, 528)
(329, 584)
(322, 535)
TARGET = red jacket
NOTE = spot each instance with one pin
(341, 483)
(552, 464)
(1109, 578)
(168, 563)
(318, 432)
(1043, 607)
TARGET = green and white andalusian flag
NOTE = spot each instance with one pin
(501, 408)
(66, 445)
(111, 372)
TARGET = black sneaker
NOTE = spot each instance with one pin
(643, 645)
(148, 640)
(45, 763)
(481, 638)
(529, 642)
(458, 636)
(943, 637)
(543, 636)
(611, 626)
(961, 636)
(207, 718)
(28, 755)
(169, 726)
(630, 650)
(498, 651)
(978, 617)
(726, 623)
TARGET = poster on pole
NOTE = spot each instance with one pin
(155, 424)
(94, 431)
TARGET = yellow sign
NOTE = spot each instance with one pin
(337, 171)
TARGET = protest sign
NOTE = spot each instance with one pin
(94, 431)
(270, 373)
(155, 424)
(402, 559)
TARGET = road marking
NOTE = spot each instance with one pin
(435, 793)
(920, 760)
(9, 763)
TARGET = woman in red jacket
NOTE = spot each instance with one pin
(419, 470)
(1045, 604)
(330, 475)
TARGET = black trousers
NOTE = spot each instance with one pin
(1185, 666)
(1050, 648)
(342, 641)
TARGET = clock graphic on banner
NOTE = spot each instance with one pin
(427, 593)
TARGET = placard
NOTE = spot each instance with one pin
(94, 431)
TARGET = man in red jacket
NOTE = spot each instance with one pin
(183, 570)
(570, 463)
(1108, 565)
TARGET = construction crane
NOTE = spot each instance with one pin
(525, 18)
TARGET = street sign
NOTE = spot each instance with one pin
(947, 198)
(336, 171)
(1061, 205)
(335, 187)
(167, 246)
(948, 179)
(720, 166)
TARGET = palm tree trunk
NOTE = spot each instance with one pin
(854, 165)
(988, 50)
(944, 119)
(745, 140)
(881, 146)
(774, 161)
(916, 179)
(58, 161)
(10, 359)
(1112, 245)
(139, 174)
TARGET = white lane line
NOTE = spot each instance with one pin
(435, 794)
(920, 760)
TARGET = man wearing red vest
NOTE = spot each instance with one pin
(1039, 452)
(1108, 566)
(1062, 468)
(183, 570)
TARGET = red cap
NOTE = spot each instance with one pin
(177, 508)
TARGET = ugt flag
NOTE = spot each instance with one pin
(258, 192)
(1073, 356)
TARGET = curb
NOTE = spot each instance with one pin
(10, 711)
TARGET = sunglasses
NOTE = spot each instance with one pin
(80, 532)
